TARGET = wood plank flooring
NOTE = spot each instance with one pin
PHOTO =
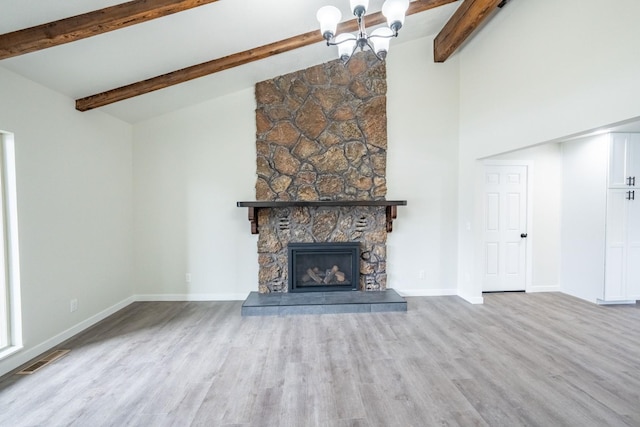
(519, 359)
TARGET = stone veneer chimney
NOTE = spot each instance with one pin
(322, 135)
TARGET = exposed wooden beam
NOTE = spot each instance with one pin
(90, 24)
(234, 60)
(464, 21)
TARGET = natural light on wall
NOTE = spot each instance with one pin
(10, 316)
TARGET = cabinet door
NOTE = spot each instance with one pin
(614, 286)
(633, 247)
(633, 158)
(618, 160)
(624, 160)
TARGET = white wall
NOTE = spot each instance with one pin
(538, 71)
(190, 169)
(422, 112)
(545, 224)
(584, 205)
(191, 166)
(74, 212)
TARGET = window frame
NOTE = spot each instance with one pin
(11, 336)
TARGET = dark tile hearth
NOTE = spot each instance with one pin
(258, 304)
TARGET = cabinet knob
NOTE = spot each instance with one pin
(523, 235)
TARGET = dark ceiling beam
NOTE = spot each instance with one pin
(464, 21)
(90, 24)
(234, 60)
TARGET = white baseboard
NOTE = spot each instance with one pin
(426, 292)
(438, 292)
(544, 289)
(623, 301)
(472, 300)
(190, 297)
(21, 357)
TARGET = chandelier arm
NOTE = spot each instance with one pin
(373, 36)
(371, 48)
(355, 47)
(378, 36)
(367, 37)
(334, 43)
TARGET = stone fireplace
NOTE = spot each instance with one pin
(321, 144)
(278, 227)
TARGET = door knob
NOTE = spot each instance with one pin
(523, 235)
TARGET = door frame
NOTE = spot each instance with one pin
(529, 164)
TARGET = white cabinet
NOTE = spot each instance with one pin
(622, 258)
(622, 264)
(624, 160)
(633, 248)
(601, 218)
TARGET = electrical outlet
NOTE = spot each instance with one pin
(187, 277)
(73, 305)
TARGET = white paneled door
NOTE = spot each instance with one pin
(505, 228)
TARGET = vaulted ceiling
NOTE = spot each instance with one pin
(217, 41)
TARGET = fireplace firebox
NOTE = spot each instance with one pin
(325, 266)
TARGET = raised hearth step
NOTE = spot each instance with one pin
(258, 304)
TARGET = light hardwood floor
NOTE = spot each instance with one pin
(519, 359)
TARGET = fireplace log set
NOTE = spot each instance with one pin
(330, 276)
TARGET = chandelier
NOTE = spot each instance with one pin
(377, 42)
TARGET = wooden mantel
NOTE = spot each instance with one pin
(390, 205)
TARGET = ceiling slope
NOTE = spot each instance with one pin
(90, 24)
(234, 60)
(283, 33)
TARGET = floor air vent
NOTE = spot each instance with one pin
(44, 361)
